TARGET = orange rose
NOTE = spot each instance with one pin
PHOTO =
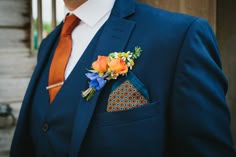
(118, 66)
(101, 64)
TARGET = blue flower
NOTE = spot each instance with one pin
(92, 76)
(96, 82)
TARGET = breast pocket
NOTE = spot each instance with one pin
(127, 93)
(130, 122)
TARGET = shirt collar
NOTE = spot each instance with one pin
(92, 11)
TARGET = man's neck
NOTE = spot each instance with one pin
(74, 4)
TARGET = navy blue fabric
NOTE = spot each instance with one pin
(135, 81)
(40, 110)
(180, 67)
(59, 116)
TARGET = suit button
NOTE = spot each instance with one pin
(45, 127)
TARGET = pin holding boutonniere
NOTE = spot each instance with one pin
(109, 67)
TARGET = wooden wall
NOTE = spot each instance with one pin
(226, 35)
(201, 8)
(14, 25)
(16, 63)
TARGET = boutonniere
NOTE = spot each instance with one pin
(109, 67)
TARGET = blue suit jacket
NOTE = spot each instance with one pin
(180, 67)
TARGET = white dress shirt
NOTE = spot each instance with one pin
(93, 14)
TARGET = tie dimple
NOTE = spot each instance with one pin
(71, 21)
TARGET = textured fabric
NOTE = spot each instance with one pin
(187, 114)
(125, 97)
(91, 22)
(61, 56)
(58, 116)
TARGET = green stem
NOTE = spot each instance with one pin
(91, 94)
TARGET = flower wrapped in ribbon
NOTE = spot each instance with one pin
(109, 67)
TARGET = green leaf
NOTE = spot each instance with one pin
(137, 52)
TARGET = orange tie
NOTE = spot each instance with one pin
(61, 57)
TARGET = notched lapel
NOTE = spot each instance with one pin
(114, 37)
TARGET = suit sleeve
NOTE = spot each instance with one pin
(199, 115)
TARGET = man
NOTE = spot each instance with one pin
(178, 76)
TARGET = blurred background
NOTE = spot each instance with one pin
(24, 23)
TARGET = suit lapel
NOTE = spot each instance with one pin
(45, 49)
(114, 37)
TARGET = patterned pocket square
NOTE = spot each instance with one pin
(127, 95)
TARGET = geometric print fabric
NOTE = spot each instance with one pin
(125, 97)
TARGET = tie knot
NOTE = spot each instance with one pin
(71, 21)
